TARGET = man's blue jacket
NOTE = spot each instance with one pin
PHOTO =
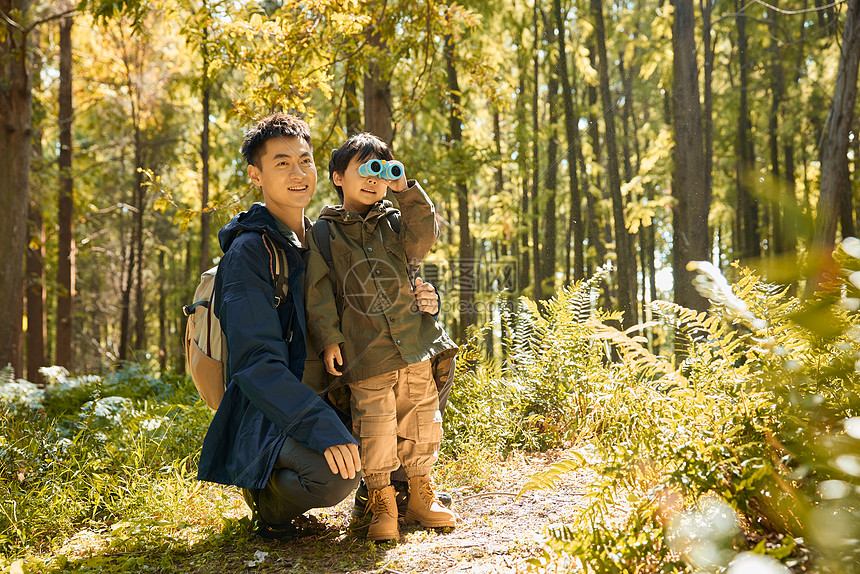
(265, 400)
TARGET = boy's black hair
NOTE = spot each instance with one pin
(365, 145)
(276, 125)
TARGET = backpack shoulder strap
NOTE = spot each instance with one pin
(393, 218)
(322, 237)
(278, 268)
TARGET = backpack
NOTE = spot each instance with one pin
(205, 344)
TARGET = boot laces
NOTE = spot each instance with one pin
(428, 493)
(378, 503)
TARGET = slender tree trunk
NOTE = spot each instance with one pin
(15, 120)
(690, 239)
(791, 209)
(36, 284)
(575, 229)
(136, 231)
(353, 112)
(777, 91)
(140, 341)
(37, 295)
(162, 314)
(748, 209)
(377, 93)
(627, 300)
(523, 277)
(468, 314)
(205, 258)
(594, 220)
(536, 139)
(66, 258)
(550, 241)
(834, 148)
(707, 7)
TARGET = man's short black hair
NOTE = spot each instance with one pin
(276, 125)
(364, 145)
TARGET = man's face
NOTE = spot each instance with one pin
(359, 193)
(286, 173)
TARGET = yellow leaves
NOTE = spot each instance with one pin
(583, 65)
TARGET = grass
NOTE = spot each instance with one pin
(757, 416)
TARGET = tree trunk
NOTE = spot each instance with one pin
(707, 7)
(377, 93)
(36, 285)
(748, 233)
(353, 112)
(162, 314)
(37, 295)
(468, 314)
(15, 120)
(536, 138)
(205, 215)
(627, 300)
(66, 258)
(834, 148)
(690, 239)
(523, 276)
(575, 228)
(550, 241)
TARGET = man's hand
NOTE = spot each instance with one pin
(331, 357)
(343, 459)
(426, 298)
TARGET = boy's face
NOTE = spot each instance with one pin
(286, 173)
(359, 193)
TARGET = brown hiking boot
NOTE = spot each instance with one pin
(383, 509)
(424, 507)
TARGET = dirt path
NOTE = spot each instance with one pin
(497, 531)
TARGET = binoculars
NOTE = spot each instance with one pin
(381, 168)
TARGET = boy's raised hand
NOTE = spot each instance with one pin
(426, 298)
(331, 357)
(398, 185)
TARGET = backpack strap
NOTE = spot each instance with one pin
(322, 237)
(278, 267)
(322, 234)
(393, 218)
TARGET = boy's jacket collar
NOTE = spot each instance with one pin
(341, 214)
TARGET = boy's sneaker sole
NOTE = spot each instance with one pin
(401, 493)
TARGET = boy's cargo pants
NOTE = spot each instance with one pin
(396, 418)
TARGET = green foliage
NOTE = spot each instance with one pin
(94, 450)
(540, 394)
(751, 442)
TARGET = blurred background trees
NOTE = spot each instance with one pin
(554, 135)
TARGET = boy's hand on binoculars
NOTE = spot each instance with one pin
(398, 185)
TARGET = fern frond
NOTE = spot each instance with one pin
(636, 357)
(548, 479)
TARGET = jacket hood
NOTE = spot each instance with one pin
(257, 218)
(339, 213)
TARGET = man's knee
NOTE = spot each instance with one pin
(333, 488)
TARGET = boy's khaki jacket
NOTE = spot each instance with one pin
(366, 303)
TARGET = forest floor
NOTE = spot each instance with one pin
(497, 532)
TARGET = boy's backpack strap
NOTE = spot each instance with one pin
(278, 267)
(322, 237)
(393, 218)
(321, 230)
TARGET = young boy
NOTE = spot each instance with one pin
(360, 314)
(272, 435)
